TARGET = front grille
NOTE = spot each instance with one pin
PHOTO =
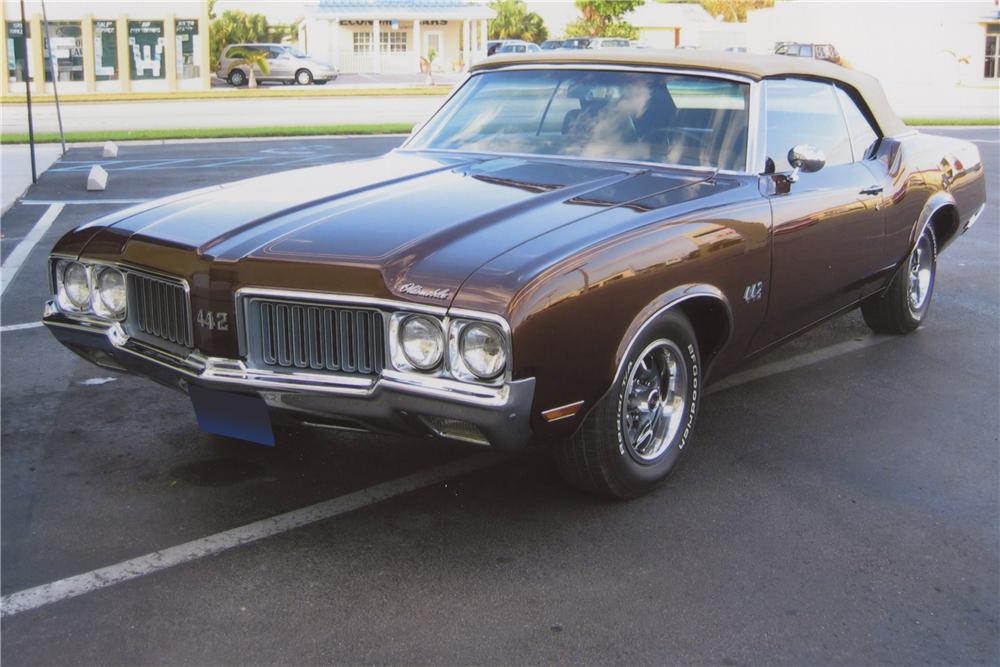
(159, 308)
(314, 337)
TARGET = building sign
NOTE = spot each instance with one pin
(17, 51)
(105, 50)
(145, 40)
(433, 22)
(64, 51)
(188, 49)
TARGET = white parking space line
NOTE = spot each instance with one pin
(63, 589)
(74, 202)
(798, 361)
(23, 249)
(20, 327)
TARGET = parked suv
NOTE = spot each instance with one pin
(609, 43)
(286, 65)
(818, 51)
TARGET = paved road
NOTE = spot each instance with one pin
(842, 508)
(256, 112)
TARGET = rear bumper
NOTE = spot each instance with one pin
(393, 402)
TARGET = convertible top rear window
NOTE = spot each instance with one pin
(689, 120)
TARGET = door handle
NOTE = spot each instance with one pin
(872, 190)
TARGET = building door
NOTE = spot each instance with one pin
(435, 40)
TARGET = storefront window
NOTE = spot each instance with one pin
(18, 35)
(105, 50)
(991, 67)
(362, 42)
(66, 43)
(145, 43)
(188, 49)
(393, 42)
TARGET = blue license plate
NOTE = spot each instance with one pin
(232, 415)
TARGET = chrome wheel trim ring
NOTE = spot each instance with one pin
(920, 275)
(654, 400)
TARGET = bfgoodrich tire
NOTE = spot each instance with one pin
(904, 305)
(633, 438)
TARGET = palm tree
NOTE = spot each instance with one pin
(429, 61)
(250, 59)
(514, 21)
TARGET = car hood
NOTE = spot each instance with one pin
(405, 225)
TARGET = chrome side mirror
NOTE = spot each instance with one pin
(804, 157)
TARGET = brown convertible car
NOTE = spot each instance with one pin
(566, 252)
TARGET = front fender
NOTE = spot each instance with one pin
(670, 299)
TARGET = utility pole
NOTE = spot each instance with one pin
(27, 89)
(55, 75)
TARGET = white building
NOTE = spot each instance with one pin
(669, 26)
(660, 25)
(105, 46)
(934, 59)
(396, 36)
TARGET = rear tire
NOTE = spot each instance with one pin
(237, 78)
(634, 436)
(904, 305)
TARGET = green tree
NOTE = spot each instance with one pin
(514, 21)
(250, 59)
(603, 18)
(237, 27)
(730, 10)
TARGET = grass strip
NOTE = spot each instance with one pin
(210, 133)
(951, 121)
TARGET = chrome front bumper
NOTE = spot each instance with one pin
(393, 402)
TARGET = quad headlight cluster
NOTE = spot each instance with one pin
(469, 350)
(90, 289)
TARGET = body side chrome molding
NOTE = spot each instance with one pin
(703, 291)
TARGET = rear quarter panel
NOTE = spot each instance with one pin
(937, 170)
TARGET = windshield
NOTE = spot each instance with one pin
(295, 52)
(688, 120)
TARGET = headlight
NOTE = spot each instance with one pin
(110, 296)
(74, 286)
(422, 342)
(482, 350)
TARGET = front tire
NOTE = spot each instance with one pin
(904, 305)
(633, 438)
(303, 77)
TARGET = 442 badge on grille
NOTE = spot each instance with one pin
(213, 320)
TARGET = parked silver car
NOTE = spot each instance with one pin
(286, 64)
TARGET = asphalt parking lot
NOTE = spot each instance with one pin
(841, 504)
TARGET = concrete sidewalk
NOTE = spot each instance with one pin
(15, 168)
(251, 112)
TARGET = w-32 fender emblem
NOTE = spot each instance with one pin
(754, 292)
